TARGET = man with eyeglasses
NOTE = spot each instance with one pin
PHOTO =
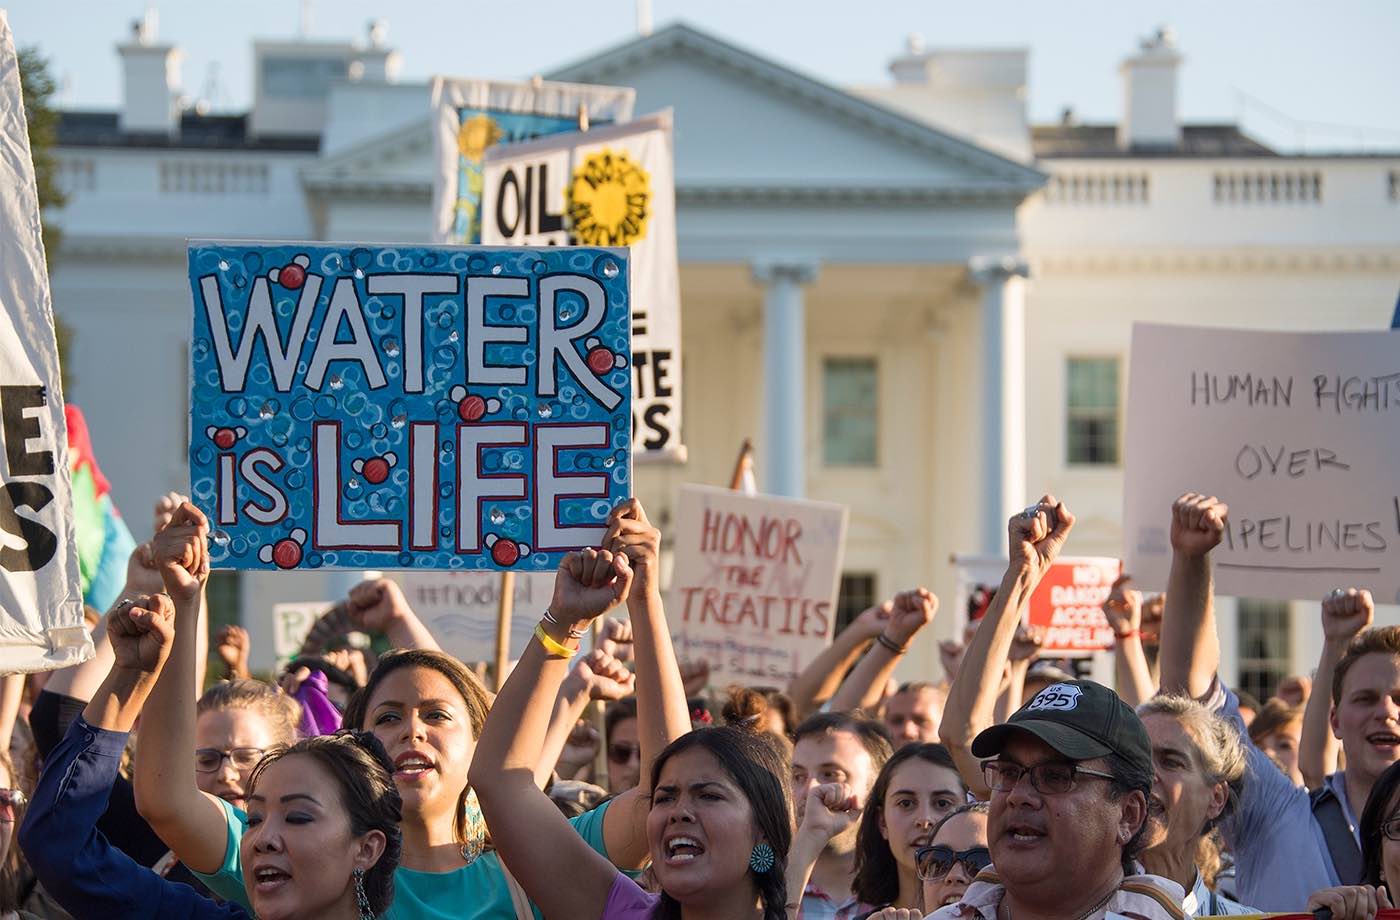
(1069, 775)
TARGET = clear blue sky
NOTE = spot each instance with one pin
(1332, 62)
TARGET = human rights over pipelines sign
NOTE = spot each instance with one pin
(1298, 433)
(753, 590)
(410, 407)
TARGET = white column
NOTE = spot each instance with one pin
(784, 375)
(1003, 395)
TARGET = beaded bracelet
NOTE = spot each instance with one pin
(551, 645)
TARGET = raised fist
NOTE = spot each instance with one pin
(1198, 523)
(695, 676)
(141, 630)
(1124, 607)
(1037, 535)
(910, 612)
(376, 605)
(181, 552)
(872, 620)
(1345, 612)
(617, 639)
(1294, 690)
(604, 676)
(1027, 642)
(589, 584)
(830, 809)
(231, 644)
(630, 533)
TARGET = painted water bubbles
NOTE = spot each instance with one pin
(410, 407)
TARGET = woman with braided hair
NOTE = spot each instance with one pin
(720, 820)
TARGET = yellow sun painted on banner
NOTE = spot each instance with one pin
(476, 134)
(609, 200)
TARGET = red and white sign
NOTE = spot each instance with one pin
(1068, 604)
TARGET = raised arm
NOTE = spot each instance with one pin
(189, 820)
(1036, 536)
(1345, 613)
(663, 714)
(910, 612)
(819, 681)
(529, 832)
(597, 676)
(1132, 675)
(379, 605)
(1190, 652)
(830, 809)
(1025, 645)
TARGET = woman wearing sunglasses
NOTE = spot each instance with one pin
(957, 852)
(915, 789)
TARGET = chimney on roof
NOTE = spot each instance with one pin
(150, 81)
(1149, 94)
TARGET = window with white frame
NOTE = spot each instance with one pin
(1265, 646)
(856, 594)
(850, 416)
(1092, 411)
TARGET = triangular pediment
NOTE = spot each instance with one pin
(744, 121)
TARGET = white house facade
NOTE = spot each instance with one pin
(914, 301)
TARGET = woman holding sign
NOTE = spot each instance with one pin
(720, 820)
(428, 710)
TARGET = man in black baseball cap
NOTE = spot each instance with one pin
(1070, 772)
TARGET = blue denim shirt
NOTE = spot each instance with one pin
(79, 868)
(1280, 850)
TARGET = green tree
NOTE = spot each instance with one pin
(38, 87)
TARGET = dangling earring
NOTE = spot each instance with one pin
(762, 858)
(360, 896)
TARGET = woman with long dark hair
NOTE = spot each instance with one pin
(428, 711)
(720, 821)
(916, 788)
(323, 837)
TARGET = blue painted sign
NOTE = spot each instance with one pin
(408, 407)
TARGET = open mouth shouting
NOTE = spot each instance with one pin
(682, 850)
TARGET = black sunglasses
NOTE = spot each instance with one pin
(937, 861)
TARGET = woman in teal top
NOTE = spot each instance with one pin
(428, 711)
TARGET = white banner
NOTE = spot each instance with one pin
(754, 587)
(1297, 432)
(41, 601)
(460, 609)
(609, 187)
(471, 116)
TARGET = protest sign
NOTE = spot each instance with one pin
(1296, 432)
(460, 609)
(41, 599)
(369, 407)
(1067, 604)
(609, 187)
(471, 116)
(290, 625)
(753, 589)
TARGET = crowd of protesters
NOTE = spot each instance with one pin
(361, 785)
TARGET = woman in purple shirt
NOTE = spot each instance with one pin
(720, 820)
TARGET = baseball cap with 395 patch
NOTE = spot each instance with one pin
(1080, 719)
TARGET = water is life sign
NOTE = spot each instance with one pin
(358, 406)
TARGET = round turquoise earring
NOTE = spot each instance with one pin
(762, 858)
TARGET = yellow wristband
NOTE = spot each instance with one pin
(553, 647)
